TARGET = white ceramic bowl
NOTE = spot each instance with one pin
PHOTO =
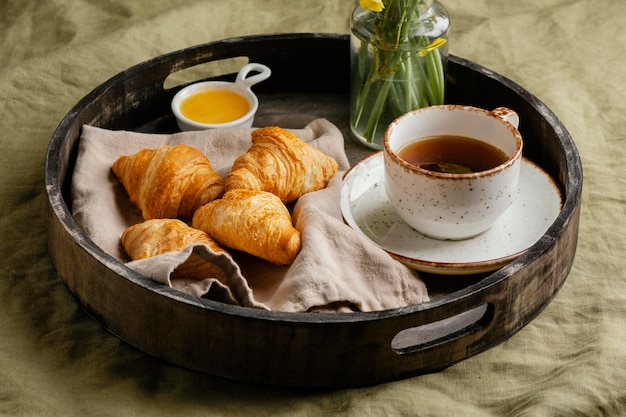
(242, 85)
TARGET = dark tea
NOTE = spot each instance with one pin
(452, 154)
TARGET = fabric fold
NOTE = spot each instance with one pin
(336, 270)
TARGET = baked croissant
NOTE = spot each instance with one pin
(168, 181)
(156, 236)
(281, 163)
(256, 222)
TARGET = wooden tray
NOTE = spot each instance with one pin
(466, 316)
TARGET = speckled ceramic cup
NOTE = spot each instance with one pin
(444, 205)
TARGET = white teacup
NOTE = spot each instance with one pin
(446, 205)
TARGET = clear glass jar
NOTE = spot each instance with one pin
(398, 62)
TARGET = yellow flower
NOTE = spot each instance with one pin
(373, 5)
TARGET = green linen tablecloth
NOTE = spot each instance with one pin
(57, 361)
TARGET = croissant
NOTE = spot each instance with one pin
(169, 181)
(281, 163)
(256, 222)
(156, 236)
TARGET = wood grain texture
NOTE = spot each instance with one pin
(299, 349)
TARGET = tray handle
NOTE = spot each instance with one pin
(304, 51)
(446, 330)
(471, 323)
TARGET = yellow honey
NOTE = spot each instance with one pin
(214, 106)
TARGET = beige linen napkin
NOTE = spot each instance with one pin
(336, 270)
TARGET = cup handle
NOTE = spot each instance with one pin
(507, 114)
(263, 74)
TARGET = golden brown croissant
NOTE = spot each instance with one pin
(281, 163)
(169, 181)
(256, 222)
(156, 236)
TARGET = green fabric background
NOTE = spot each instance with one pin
(57, 361)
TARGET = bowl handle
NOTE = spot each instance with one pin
(242, 76)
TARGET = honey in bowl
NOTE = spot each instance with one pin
(452, 154)
(215, 106)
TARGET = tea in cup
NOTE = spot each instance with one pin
(451, 171)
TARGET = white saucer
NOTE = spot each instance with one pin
(365, 208)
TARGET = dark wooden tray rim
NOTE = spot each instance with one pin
(300, 349)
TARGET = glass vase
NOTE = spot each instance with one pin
(398, 62)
